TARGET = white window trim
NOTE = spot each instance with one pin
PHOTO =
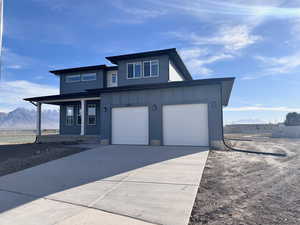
(134, 77)
(82, 75)
(75, 75)
(150, 61)
(116, 75)
(88, 121)
(70, 106)
(155, 60)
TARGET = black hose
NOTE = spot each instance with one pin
(229, 148)
(253, 152)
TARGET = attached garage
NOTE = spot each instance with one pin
(185, 113)
(130, 125)
(185, 124)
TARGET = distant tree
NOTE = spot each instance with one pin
(292, 119)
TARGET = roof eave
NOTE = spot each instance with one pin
(78, 69)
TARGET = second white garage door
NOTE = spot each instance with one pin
(130, 125)
(185, 124)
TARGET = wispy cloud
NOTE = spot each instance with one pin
(231, 38)
(255, 8)
(13, 60)
(139, 12)
(13, 92)
(274, 66)
(261, 108)
(197, 60)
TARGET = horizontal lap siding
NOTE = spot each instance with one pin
(209, 94)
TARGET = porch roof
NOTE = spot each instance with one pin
(56, 99)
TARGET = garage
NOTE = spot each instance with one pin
(185, 124)
(130, 125)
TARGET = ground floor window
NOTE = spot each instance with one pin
(70, 115)
(79, 115)
(91, 114)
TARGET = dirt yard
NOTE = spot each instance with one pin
(251, 189)
(17, 157)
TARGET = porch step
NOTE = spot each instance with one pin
(90, 139)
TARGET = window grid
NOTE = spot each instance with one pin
(147, 69)
(70, 115)
(136, 70)
(81, 77)
(92, 114)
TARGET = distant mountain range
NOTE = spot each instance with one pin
(22, 118)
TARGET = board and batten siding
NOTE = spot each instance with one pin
(155, 99)
(81, 86)
(163, 71)
(75, 129)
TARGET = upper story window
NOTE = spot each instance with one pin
(70, 115)
(88, 77)
(81, 77)
(134, 70)
(151, 68)
(73, 78)
(114, 78)
(146, 69)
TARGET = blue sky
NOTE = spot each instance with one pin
(257, 42)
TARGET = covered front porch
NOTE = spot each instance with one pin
(79, 116)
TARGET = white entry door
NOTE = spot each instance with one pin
(185, 124)
(130, 125)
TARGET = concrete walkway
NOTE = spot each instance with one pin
(107, 185)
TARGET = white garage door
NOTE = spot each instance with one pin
(185, 124)
(130, 125)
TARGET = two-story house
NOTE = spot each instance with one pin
(147, 98)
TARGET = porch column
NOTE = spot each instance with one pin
(38, 118)
(82, 117)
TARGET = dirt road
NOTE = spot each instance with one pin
(240, 188)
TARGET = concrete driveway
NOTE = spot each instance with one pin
(107, 185)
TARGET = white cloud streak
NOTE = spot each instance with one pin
(231, 38)
(261, 108)
(274, 66)
(12, 60)
(197, 60)
(13, 92)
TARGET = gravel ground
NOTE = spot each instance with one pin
(250, 189)
(21, 156)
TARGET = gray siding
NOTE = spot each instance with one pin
(75, 128)
(82, 85)
(163, 71)
(179, 95)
